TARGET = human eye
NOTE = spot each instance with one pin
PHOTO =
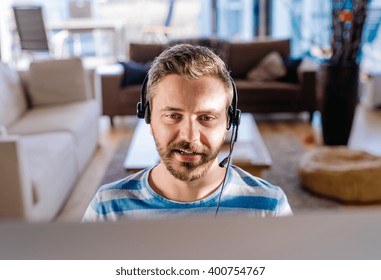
(207, 118)
(172, 117)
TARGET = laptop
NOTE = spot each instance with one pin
(325, 235)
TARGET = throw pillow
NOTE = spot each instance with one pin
(269, 68)
(58, 81)
(134, 73)
(291, 66)
(12, 99)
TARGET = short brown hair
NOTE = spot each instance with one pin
(191, 62)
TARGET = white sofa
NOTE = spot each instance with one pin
(49, 132)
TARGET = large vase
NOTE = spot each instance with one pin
(338, 96)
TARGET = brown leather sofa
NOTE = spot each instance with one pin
(253, 96)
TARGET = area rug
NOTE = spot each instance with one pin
(285, 151)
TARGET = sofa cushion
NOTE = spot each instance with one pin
(73, 117)
(260, 97)
(12, 99)
(244, 56)
(134, 73)
(58, 81)
(50, 160)
(78, 118)
(291, 65)
(269, 68)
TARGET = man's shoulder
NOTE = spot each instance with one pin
(131, 182)
(255, 189)
(252, 185)
(242, 177)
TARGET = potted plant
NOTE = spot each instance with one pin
(338, 91)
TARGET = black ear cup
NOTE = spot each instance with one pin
(139, 110)
(233, 112)
(230, 117)
(234, 117)
(147, 114)
(141, 107)
(237, 117)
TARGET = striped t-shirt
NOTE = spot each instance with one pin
(133, 198)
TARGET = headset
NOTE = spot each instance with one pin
(234, 118)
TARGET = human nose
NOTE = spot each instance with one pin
(189, 131)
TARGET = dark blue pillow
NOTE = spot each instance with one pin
(291, 65)
(134, 73)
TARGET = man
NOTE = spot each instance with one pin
(189, 95)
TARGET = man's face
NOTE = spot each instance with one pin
(188, 123)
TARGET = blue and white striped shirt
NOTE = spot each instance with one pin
(133, 198)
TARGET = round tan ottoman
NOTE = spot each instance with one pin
(342, 173)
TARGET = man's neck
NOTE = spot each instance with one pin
(166, 185)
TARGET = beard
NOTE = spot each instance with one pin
(184, 170)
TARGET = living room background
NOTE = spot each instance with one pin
(305, 22)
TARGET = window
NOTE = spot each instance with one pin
(308, 24)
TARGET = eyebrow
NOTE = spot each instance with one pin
(175, 109)
(171, 109)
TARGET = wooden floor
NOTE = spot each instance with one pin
(367, 125)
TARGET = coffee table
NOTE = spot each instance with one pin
(250, 152)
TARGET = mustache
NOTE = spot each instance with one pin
(189, 146)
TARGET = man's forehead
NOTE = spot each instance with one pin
(175, 85)
(181, 102)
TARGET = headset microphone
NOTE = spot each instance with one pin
(233, 139)
(224, 161)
